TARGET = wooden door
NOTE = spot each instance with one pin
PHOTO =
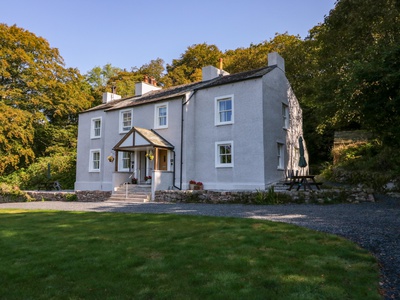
(162, 160)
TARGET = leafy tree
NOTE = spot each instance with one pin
(155, 68)
(35, 90)
(98, 77)
(255, 56)
(355, 35)
(188, 68)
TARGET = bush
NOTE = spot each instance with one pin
(368, 164)
(9, 193)
(62, 169)
(271, 197)
(71, 197)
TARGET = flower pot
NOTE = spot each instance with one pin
(192, 186)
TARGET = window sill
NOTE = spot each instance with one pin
(222, 124)
(223, 166)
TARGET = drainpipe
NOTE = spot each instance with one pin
(181, 165)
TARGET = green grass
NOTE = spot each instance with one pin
(76, 255)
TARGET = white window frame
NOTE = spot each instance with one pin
(281, 156)
(157, 115)
(93, 134)
(285, 116)
(122, 158)
(218, 121)
(122, 128)
(92, 168)
(218, 163)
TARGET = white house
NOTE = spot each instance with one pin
(231, 132)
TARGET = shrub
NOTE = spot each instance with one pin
(71, 197)
(368, 164)
(62, 169)
(271, 197)
(9, 193)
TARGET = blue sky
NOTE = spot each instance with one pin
(130, 33)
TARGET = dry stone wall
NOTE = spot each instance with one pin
(355, 195)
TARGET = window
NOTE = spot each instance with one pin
(94, 164)
(125, 120)
(224, 110)
(161, 115)
(285, 116)
(281, 157)
(124, 161)
(95, 131)
(224, 154)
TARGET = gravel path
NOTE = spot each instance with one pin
(374, 226)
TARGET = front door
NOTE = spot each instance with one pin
(142, 166)
(162, 162)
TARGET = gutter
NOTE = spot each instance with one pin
(181, 152)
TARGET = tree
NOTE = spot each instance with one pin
(354, 35)
(122, 82)
(255, 56)
(187, 69)
(155, 68)
(35, 89)
(98, 77)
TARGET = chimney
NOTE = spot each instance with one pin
(108, 97)
(153, 81)
(274, 59)
(211, 72)
(147, 85)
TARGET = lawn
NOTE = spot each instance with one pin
(82, 255)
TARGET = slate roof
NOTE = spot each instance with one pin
(181, 90)
(149, 135)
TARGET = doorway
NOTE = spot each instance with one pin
(142, 166)
(162, 161)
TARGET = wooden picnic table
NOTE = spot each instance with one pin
(306, 181)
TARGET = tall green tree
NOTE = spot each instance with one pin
(355, 35)
(187, 68)
(35, 89)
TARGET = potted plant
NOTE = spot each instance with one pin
(150, 155)
(199, 186)
(134, 180)
(192, 184)
(148, 179)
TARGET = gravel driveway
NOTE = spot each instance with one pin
(374, 226)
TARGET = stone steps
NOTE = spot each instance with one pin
(132, 193)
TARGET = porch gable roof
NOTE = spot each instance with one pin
(142, 137)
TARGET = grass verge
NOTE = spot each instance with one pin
(82, 255)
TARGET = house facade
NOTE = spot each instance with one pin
(230, 132)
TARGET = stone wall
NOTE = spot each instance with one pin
(92, 196)
(355, 195)
(84, 196)
(51, 196)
